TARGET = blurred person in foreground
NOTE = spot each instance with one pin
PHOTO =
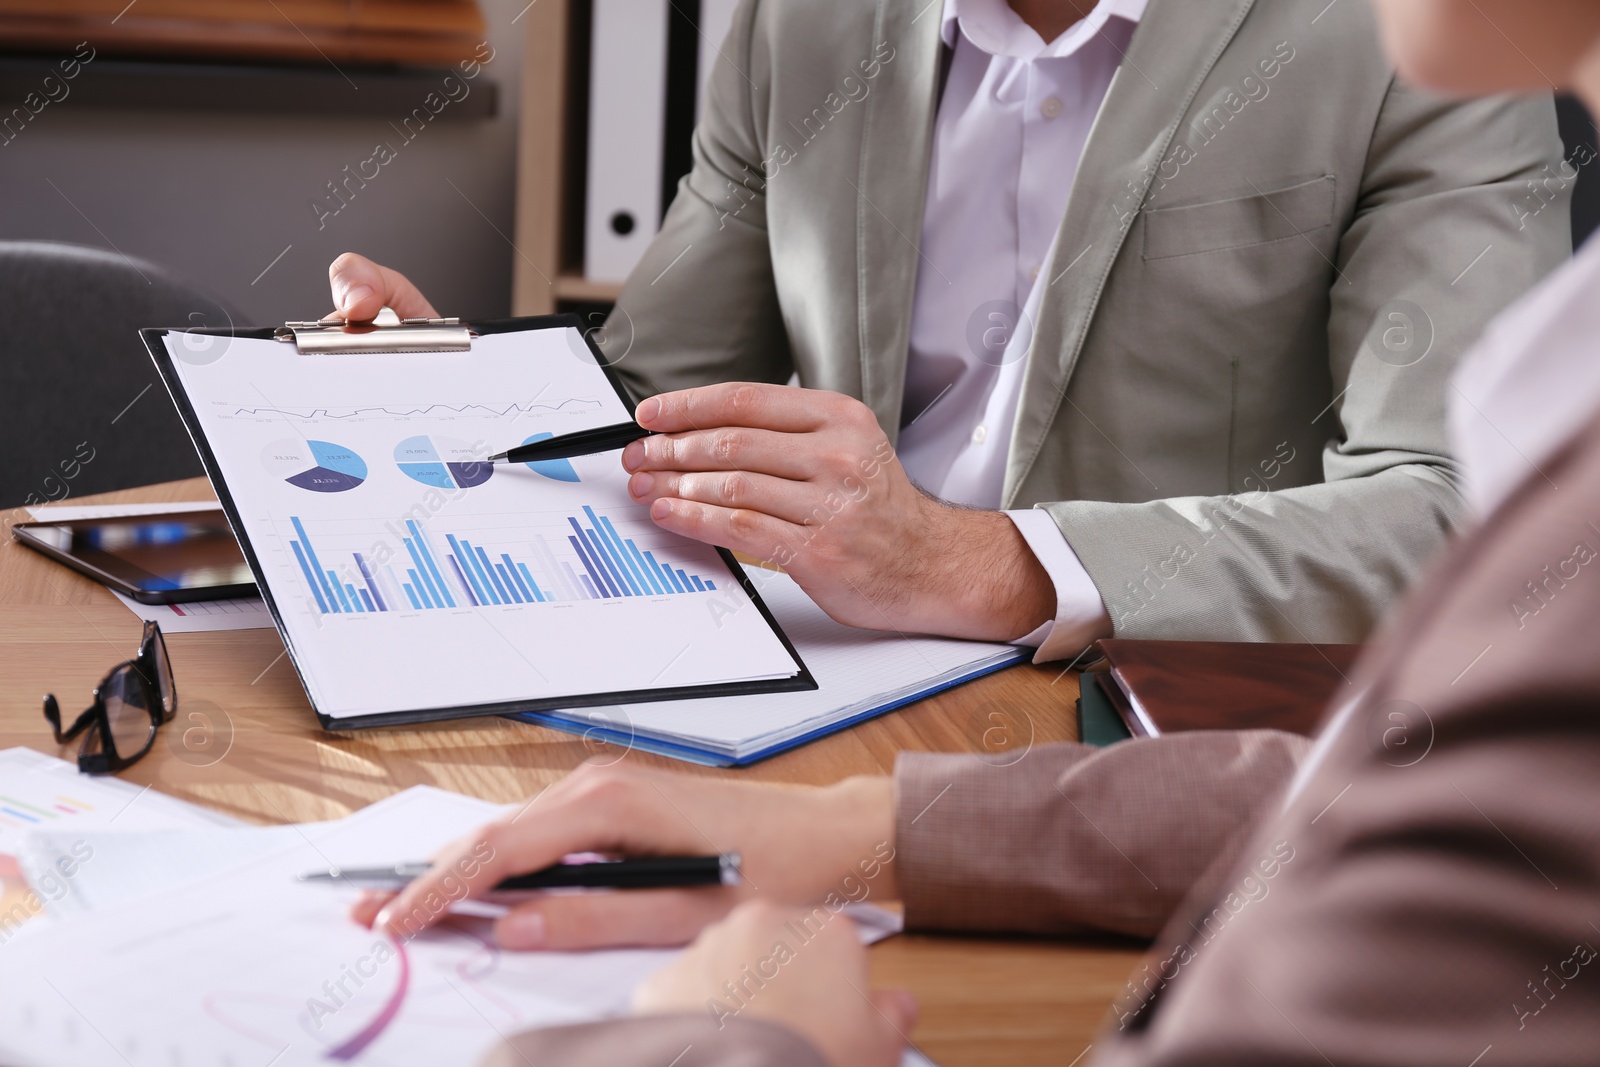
(1426, 890)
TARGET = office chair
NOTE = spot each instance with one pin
(82, 409)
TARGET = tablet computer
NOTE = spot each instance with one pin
(155, 559)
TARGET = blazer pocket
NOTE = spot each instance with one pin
(1238, 223)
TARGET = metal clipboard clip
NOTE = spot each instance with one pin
(387, 332)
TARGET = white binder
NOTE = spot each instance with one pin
(627, 100)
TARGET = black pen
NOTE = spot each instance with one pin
(644, 872)
(582, 443)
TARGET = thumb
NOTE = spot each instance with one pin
(898, 1006)
(362, 288)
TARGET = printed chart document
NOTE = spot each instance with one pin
(181, 949)
(411, 579)
(40, 793)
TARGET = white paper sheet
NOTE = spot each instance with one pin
(128, 867)
(856, 671)
(244, 965)
(203, 616)
(359, 482)
(39, 792)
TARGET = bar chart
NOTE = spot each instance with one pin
(589, 560)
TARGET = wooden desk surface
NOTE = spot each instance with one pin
(245, 742)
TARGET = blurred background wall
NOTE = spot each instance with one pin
(216, 197)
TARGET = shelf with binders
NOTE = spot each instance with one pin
(611, 91)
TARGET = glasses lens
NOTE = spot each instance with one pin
(168, 692)
(128, 712)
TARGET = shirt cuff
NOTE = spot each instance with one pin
(1081, 616)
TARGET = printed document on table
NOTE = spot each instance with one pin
(245, 964)
(40, 793)
(203, 616)
(409, 575)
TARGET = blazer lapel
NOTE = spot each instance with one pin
(890, 185)
(1174, 48)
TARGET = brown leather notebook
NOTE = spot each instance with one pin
(1163, 687)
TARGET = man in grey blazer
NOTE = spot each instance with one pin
(1424, 891)
(1211, 406)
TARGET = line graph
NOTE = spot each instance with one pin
(570, 406)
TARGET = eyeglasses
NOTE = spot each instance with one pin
(133, 700)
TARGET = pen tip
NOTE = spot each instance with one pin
(499, 457)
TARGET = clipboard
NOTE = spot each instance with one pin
(622, 578)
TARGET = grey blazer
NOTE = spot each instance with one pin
(1271, 258)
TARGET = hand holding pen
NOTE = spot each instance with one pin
(568, 445)
(827, 846)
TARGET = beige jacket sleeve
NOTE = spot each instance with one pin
(1072, 837)
(1434, 889)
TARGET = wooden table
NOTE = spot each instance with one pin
(256, 752)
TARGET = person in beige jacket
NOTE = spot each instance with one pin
(1195, 388)
(1424, 891)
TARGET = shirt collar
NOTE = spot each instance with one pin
(998, 30)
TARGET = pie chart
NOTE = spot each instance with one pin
(559, 470)
(442, 462)
(320, 466)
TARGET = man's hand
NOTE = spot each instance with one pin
(807, 479)
(809, 975)
(797, 844)
(361, 288)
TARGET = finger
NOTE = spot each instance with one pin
(365, 910)
(754, 404)
(473, 865)
(781, 498)
(740, 529)
(728, 448)
(898, 1006)
(634, 918)
(470, 866)
(592, 810)
(362, 288)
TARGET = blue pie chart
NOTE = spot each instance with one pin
(442, 462)
(559, 470)
(317, 466)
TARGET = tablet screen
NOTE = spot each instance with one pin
(154, 553)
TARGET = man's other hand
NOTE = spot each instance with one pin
(362, 288)
(791, 967)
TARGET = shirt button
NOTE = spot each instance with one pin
(980, 435)
(1033, 273)
(1050, 108)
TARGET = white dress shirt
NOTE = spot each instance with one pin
(1010, 130)
(1528, 385)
